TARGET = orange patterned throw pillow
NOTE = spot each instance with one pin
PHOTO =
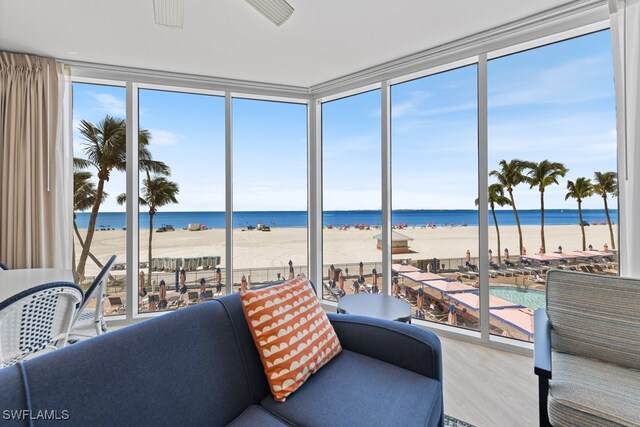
(292, 333)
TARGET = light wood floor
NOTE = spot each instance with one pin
(488, 387)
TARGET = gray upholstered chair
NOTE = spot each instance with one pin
(587, 350)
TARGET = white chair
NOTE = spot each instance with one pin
(94, 316)
(37, 319)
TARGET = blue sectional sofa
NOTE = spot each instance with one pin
(199, 366)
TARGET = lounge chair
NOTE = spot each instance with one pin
(192, 297)
(94, 316)
(497, 270)
(175, 301)
(465, 272)
(513, 271)
(116, 305)
(332, 293)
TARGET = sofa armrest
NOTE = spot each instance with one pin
(407, 346)
(542, 344)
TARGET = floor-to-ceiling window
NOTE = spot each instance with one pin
(552, 156)
(269, 191)
(351, 195)
(99, 147)
(436, 264)
(182, 199)
(551, 127)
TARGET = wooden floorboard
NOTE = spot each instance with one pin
(488, 387)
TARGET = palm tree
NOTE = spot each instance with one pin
(496, 197)
(544, 174)
(606, 183)
(509, 176)
(157, 191)
(579, 190)
(84, 196)
(105, 149)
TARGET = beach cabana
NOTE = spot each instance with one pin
(403, 268)
(399, 242)
(543, 257)
(449, 287)
(471, 300)
(521, 319)
(421, 276)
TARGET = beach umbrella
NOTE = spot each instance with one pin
(341, 280)
(452, 318)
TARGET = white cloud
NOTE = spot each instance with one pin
(109, 104)
(164, 137)
(562, 84)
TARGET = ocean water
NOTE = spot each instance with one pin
(455, 217)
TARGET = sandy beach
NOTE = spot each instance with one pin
(257, 249)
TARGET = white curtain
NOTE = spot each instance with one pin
(35, 163)
(64, 172)
(625, 32)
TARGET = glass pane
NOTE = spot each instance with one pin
(182, 225)
(99, 143)
(435, 187)
(269, 191)
(351, 195)
(552, 122)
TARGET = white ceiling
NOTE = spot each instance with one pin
(323, 40)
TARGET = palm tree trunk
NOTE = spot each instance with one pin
(73, 246)
(150, 238)
(606, 211)
(584, 240)
(515, 214)
(75, 227)
(91, 228)
(495, 221)
(542, 220)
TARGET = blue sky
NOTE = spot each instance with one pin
(555, 102)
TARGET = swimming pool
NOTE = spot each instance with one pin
(531, 298)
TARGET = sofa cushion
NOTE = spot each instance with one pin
(356, 390)
(152, 373)
(291, 331)
(254, 416)
(587, 392)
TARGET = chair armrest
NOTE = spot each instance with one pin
(407, 346)
(542, 344)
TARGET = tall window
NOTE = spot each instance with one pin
(352, 195)
(435, 187)
(99, 146)
(552, 154)
(181, 179)
(269, 191)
